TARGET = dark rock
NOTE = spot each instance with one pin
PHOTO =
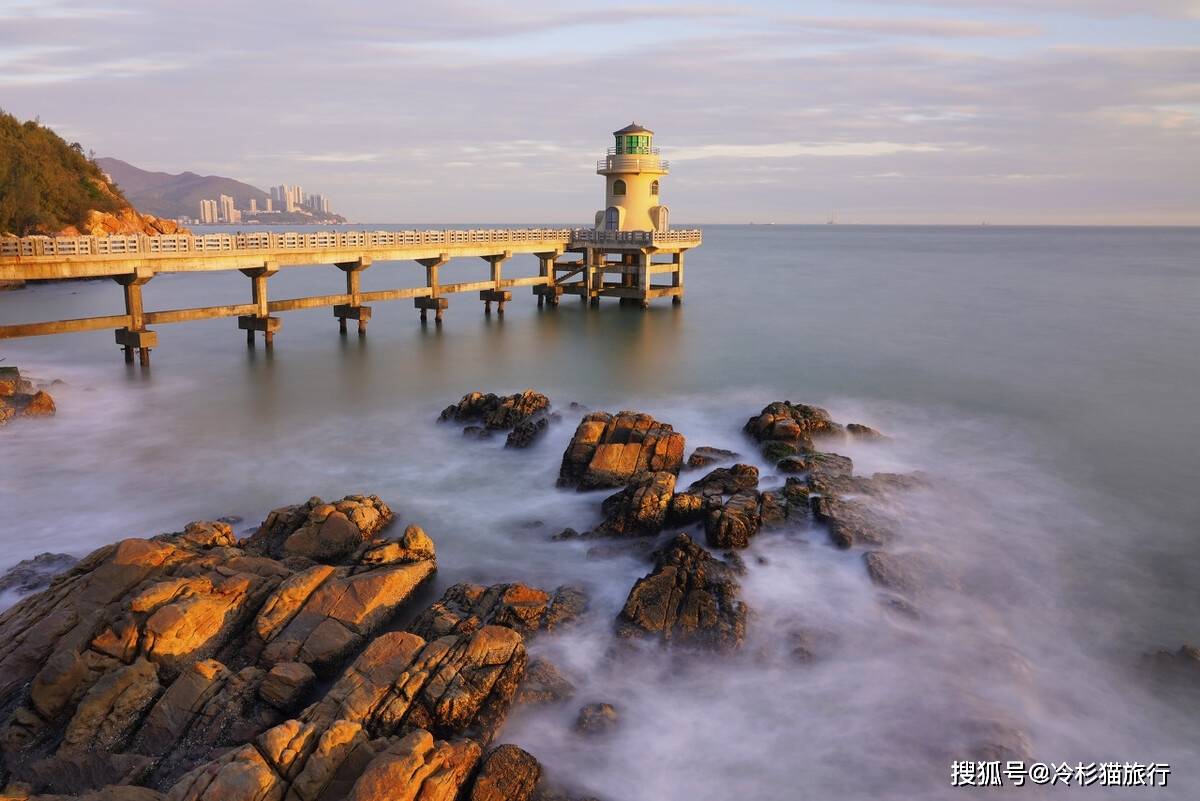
(793, 424)
(286, 684)
(850, 522)
(690, 598)
(543, 684)
(524, 415)
(910, 573)
(687, 508)
(596, 719)
(735, 523)
(31, 575)
(726, 480)
(704, 456)
(506, 774)
(863, 433)
(608, 450)
(818, 464)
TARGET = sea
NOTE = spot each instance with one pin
(1045, 380)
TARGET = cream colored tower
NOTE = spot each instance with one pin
(633, 175)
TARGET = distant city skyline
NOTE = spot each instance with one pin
(946, 111)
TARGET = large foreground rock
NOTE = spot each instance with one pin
(323, 532)
(20, 398)
(608, 450)
(640, 508)
(690, 598)
(150, 655)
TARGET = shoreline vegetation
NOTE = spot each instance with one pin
(303, 660)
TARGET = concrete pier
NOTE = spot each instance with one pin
(591, 263)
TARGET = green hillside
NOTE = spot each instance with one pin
(47, 184)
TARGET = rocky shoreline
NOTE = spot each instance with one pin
(301, 661)
(20, 397)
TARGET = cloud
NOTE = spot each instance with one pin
(796, 149)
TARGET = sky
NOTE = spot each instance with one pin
(956, 111)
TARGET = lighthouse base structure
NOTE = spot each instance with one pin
(635, 275)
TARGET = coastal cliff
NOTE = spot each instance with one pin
(52, 187)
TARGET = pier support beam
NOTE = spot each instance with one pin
(550, 292)
(136, 336)
(434, 301)
(354, 310)
(496, 294)
(261, 320)
(677, 277)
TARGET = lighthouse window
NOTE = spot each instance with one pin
(654, 187)
(618, 187)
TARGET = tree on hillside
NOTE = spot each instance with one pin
(47, 184)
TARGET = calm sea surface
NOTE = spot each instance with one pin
(1048, 380)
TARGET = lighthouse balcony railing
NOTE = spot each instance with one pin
(626, 163)
(690, 237)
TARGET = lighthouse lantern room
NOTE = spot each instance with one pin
(633, 175)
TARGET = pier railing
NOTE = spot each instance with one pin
(268, 241)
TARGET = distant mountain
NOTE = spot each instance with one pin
(168, 195)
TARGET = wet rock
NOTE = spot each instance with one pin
(726, 481)
(785, 428)
(687, 508)
(608, 450)
(690, 598)
(850, 522)
(414, 546)
(286, 684)
(735, 522)
(31, 575)
(705, 456)
(525, 415)
(322, 532)
(543, 684)
(112, 708)
(1175, 669)
(506, 774)
(596, 719)
(996, 740)
(818, 464)
(464, 608)
(910, 573)
(640, 508)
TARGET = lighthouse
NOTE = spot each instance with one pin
(633, 174)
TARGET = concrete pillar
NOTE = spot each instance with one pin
(496, 294)
(677, 277)
(434, 301)
(261, 320)
(642, 261)
(354, 310)
(136, 336)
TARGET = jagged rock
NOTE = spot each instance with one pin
(608, 450)
(596, 719)
(25, 404)
(818, 464)
(110, 710)
(323, 532)
(457, 685)
(334, 611)
(726, 480)
(543, 684)
(418, 768)
(465, 608)
(286, 683)
(640, 508)
(506, 774)
(525, 415)
(785, 428)
(690, 598)
(31, 575)
(735, 522)
(705, 455)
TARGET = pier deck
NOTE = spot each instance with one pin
(132, 261)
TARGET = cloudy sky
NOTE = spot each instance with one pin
(1012, 111)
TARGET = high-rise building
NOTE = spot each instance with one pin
(228, 212)
(254, 205)
(208, 212)
(271, 203)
